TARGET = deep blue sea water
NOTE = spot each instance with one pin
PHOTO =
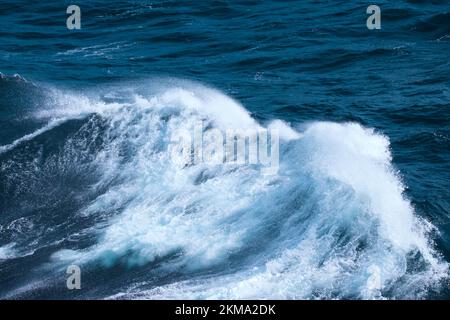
(359, 207)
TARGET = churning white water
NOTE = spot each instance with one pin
(333, 222)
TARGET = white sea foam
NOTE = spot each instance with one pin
(360, 230)
(333, 222)
(7, 251)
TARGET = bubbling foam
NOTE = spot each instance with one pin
(333, 222)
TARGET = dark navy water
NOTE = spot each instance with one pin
(85, 177)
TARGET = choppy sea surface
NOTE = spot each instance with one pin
(360, 205)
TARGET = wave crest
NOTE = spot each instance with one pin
(332, 223)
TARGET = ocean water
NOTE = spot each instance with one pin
(358, 209)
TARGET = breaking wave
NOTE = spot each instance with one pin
(333, 222)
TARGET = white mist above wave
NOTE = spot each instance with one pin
(332, 223)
